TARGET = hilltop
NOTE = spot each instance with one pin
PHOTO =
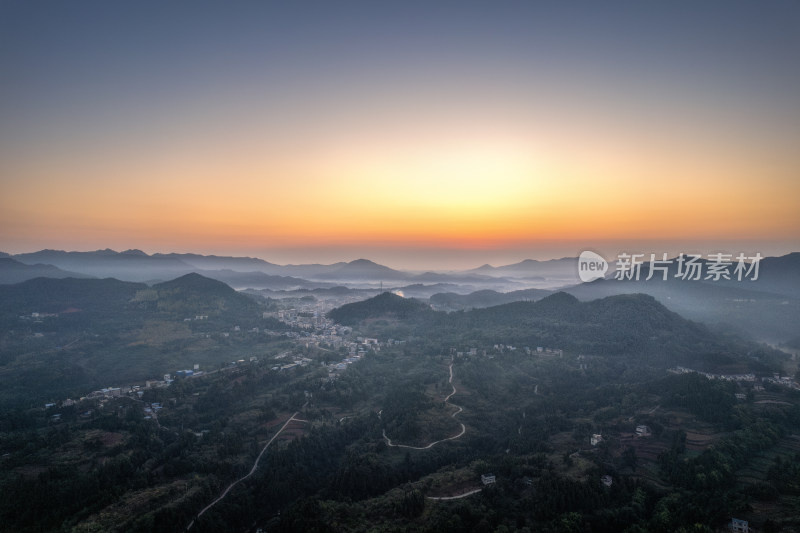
(13, 271)
(59, 336)
(384, 305)
(634, 327)
(484, 298)
(54, 295)
(629, 325)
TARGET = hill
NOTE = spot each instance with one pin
(766, 309)
(215, 262)
(52, 295)
(260, 280)
(362, 270)
(131, 265)
(617, 325)
(68, 336)
(780, 275)
(634, 327)
(12, 271)
(193, 294)
(484, 298)
(563, 269)
(385, 305)
(107, 297)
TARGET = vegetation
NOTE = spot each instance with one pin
(102, 465)
(382, 306)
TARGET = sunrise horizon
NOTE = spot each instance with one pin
(468, 135)
(441, 265)
(443, 259)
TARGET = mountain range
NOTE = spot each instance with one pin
(767, 308)
(249, 272)
(628, 325)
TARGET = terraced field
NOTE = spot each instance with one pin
(756, 470)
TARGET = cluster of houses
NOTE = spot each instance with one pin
(300, 361)
(151, 410)
(324, 331)
(305, 318)
(502, 348)
(784, 381)
(641, 431)
(747, 378)
(724, 377)
(539, 350)
(319, 329)
(135, 391)
(342, 365)
(308, 316)
(37, 317)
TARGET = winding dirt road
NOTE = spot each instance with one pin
(458, 497)
(252, 470)
(432, 444)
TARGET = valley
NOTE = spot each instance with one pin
(386, 412)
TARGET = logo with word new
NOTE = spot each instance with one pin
(591, 266)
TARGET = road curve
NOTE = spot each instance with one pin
(432, 444)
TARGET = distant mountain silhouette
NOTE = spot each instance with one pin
(215, 262)
(566, 268)
(134, 252)
(765, 309)
(132, 265)
(780, 275)
(362, 269)
(258, 280)
(485, 298)
(196, 283)
(456, 277)
(12, 271)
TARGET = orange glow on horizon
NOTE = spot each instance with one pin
(469, 191)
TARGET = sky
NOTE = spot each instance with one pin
(416, 134)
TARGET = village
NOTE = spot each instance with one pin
(310, 329)
(776, 379)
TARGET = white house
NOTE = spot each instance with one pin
(739, 526)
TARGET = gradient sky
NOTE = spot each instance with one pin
(416, 134)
